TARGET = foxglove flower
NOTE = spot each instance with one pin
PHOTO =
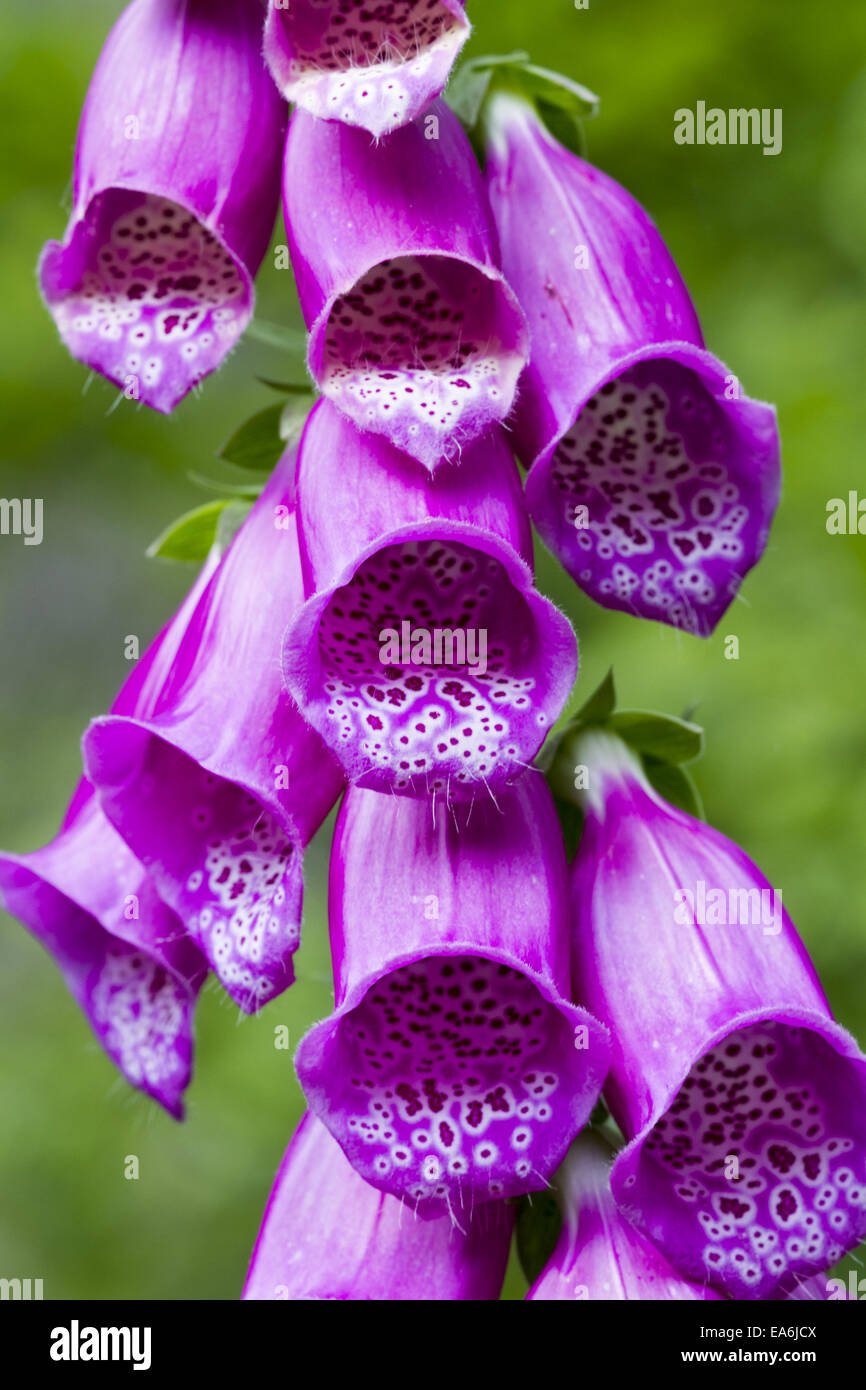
(327, 1234)
(413, 330)
(453, 1069)
(653, 478)
(600, 1255)
(375, 66)
(424, 656)
(212, 777)
(176, 190)
(743, 1102)
(123, 954)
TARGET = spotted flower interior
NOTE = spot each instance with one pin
(140, 1012)
(665, 516)
(147, 296)
(217, 855)
(142, 1016)
(432, 727)
(368, 64)
(452, 1082)
(423, 349)
(755, 1176)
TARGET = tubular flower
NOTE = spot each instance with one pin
(123, 954)
(424, 656)
(653, 479)
(371, 65)
(176, 190)
(414, 333)
(210, 773)
(600, 1255)
(453, 1070)
(327, 1234)
(743, 1102)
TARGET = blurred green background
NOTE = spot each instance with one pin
(774, 250)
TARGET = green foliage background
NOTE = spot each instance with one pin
(774, 250)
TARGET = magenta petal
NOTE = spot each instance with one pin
(123, 953)
(600, 1255)
(327, 1234)
(653, 478)
(453, 1070)
(371, 66)
(176, 190)
(208, 770)
(743, 1102)
(414, 333)
(384, 544)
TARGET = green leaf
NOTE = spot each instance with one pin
(539, 1221)
(258, 443)
(287, 388)
(466, 91)
(223, 489)
(676, 785)
(560, 102)
(600, 1114)
(557, 760)
(294, 417)
(564, 127)
(571, 823)
(230, 521)
(189, 538)
(278, 335)
(485, 61)
(554, 89)
(261, 440)
(601, 703)
(662, 741)
(660, 736)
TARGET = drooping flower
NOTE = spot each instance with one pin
(424, 656)
(453, 1069)
(327, 1234)
(177, 173)
(653, 478)
(743, 1101)
(375, 66)
(123, 953)
(210, 773)
(600, 1255)
(414, 333)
